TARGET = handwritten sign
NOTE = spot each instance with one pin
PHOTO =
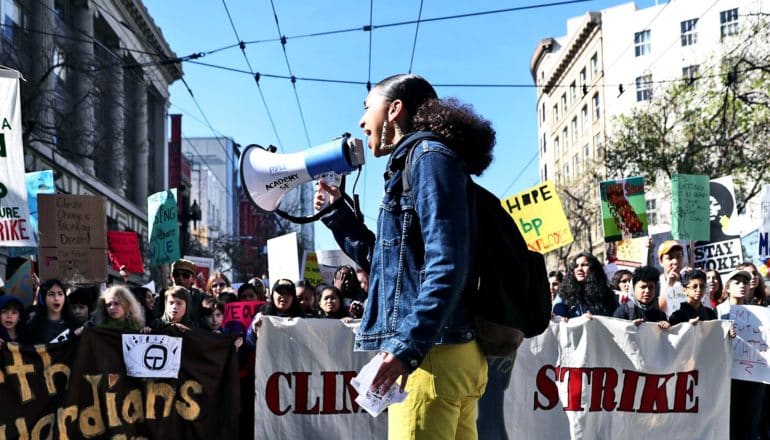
(721, 256)
(152, 356)
(123, 250)
(690, 207)
(764, 227)
(539, 214)
(624, 210)
(241, 312)
(15, 228)
(751, 357)
(164, 227)
(312, 270)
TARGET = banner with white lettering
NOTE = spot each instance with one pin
(15, 227)
(606, 378)
(152, 356)
(751, 359)
(303, 389)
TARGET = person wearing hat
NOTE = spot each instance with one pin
(183, 274)
(737, 287)
(10, 318)
(671, 259)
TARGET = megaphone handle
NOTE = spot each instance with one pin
(356, 205)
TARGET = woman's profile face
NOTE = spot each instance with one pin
(714, 208)
(375, 115)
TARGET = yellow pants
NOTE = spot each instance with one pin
(443, 393)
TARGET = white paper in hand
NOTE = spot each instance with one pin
(374, 403)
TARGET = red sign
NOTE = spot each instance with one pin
(123, 249)
(241, 311)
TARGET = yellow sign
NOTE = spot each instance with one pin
(540, 217)
(312, 270)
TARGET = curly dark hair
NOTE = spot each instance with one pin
(594, 291)
(462, 130)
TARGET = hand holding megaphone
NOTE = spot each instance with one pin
(325, 195)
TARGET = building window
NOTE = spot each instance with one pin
(728, 21)
(542, 113)
(566, 171)
(595, 65)
(584, 116)
(643, 88)
(573, 91)
(690, 73)
(565, 137)
(583, 78)
(642, 43)
(544, 145)
(576, 164)
(598, 144)
(59, 64)
(11, 10)
(574, 129)
(545, 172)
(564, 102)
(597, 106)
(651, 204)
(587, 151)
(556, 145)
(555, 112)
(689, 32)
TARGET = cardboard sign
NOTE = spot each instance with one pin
(329, 261)
(690, 207)
(539, 214)
(632, 252)
(312, 269)
(241, 311)
(163, 227)
(123, 250)
(15, 227)
(624, 210)
(751, 359)
(73, 238)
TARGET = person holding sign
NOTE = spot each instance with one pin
(419, 261)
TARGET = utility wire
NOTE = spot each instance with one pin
(518, 176)
(202, 159)
(416, 31)
(371, 34)
(288, 66)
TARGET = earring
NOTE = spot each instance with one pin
(387, 134)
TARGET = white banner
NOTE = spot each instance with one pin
(751, 358)
(303, 389)
(283, 258)
(152, 356)
(15, 227)
(606, 378)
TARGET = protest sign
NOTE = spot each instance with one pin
(204, 267)
(152, 356)
(306, 392)
(329, 261)
(164, 227)
(722, 252)
(607, 378)
(312, 270)
(15, 227)
(73, 238)
(690, 207)
(624, 210)
(123, 250)
(21, 284)
(80, 389)
(539, 215)
(632, 252)
(283, 257)
(241, 312)
(38, 182)
(764, 227)
(751, 359)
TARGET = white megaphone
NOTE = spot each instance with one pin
(268, 176)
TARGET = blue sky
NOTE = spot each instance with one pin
(485, 49)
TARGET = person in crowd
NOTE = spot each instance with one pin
(555, 278)
(52, 319)
(11, 310)
(671, 259)
(746, 397)
(118, 308)
(176, 300)
(228, 295)
(212, 314)
(81, 301)
(183, 273)
(716, 292)
(217, 283)
(363, 279)
(146, 300)
(585, 290)
(692, 310)
(420, 259)
(621, 282)
(757, 289)
(306, 298)
(642, 305)
(251, 292)
(330, 303)
(353, 296)
(284, 301)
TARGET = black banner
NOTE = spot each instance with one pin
(79, 389)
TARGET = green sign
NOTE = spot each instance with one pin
(164, 227)
(690, 207)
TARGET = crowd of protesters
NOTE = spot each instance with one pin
(678, 294)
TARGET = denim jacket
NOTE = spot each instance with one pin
(419, 260)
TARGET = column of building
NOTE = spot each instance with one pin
(141, 149)
(84, 100)
(117, 117)
(42, 79)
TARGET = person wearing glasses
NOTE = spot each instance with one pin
(692, 310)
(183, 274)
(216, 284)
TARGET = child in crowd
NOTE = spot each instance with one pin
(692, 310)
(330, 303)
(10, 319)
(307, 299)
(671, 259)
(118, 308)
(176, 299)
(81, 300)
(757, 290)
(642, 304)
(251, 292)
(737, 289)
(555, 279)
(716, 291)
(621, 284)
(212, 314)
(52, 320)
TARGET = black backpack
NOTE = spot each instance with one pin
(508, 280)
